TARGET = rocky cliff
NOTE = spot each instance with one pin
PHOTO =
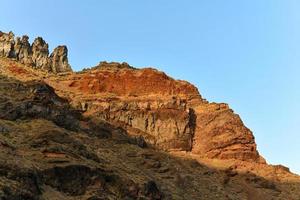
(36, 54)
(170, 114)
(120, 133)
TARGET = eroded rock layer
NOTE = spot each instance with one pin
(98, 134)
(170, 114)
(48, 150)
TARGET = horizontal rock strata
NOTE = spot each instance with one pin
(168, 113)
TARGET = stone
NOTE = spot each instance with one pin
(59, 60)
(35, 55)
(40, 54)
(41, 102)
(112, 65)
(6, 44)
(22, 50)
(3, 129)
(282, 168)
(220, 133)
(49, 150)
(169, 114)
(140, 141)
(151, 190)
(172, 126)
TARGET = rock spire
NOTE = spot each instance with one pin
(36, 54)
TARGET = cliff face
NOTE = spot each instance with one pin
(220, 133)
(35, 55)
(168, 113)
(118, 132)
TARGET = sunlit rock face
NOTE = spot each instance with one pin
(169, 114)
(36, 54)
(6, 44)
(58, 60)
(117, 132)
(40, 53)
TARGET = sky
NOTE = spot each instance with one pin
(244, 53)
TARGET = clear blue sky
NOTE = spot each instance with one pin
(245, 53)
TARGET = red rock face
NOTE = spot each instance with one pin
(130, 82)
(144, 102)
(221, 134)
(169, 114)
(93, 140)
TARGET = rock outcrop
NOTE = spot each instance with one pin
(115, 65)
(22, 50)
(103, 133)
(169, 114)
(167, 128)
(40, 54)
(48, 150)
(6, 44)
(59, 60)
(35, 55)
(220, 133)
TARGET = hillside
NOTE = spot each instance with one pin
(117, 132)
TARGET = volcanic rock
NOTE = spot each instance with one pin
(6, 44)
(40, 54)
(220, 133)
(22, 50)
(169, 114)
(35, 55)
(59, 60)
(115, 65)
(103, 133)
